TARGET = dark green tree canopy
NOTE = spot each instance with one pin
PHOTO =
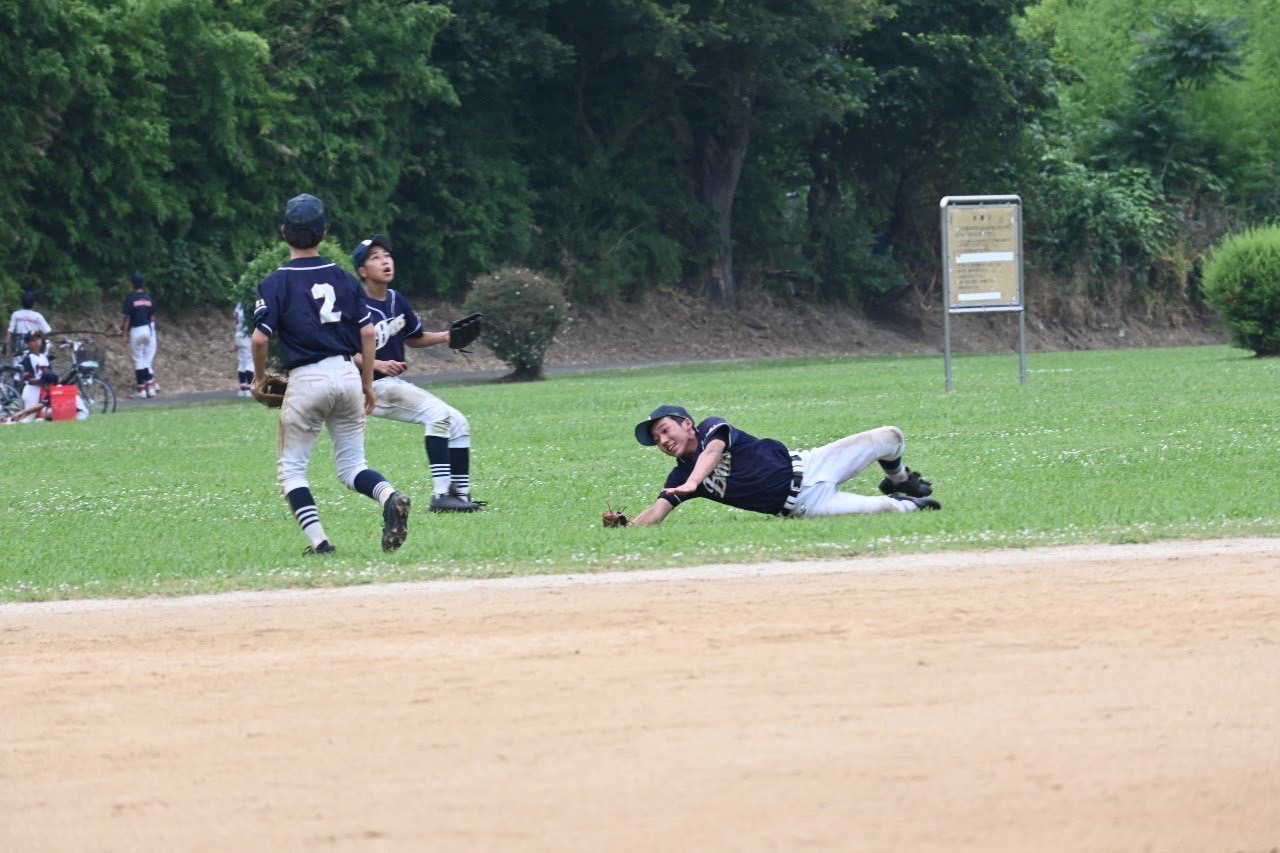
(716, 144)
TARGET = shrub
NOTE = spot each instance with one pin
(272, 257)
(1242, 283)
(522, 310)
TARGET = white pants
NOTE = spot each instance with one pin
(142, 346)
(826, 467)
(244, 354)
(401, 400)
(325, 394)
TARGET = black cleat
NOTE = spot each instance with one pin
(915, 486)
(323, 548)
(454, 502)
(920, 503)
(395, 521)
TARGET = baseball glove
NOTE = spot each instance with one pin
(271, 392)
(463, 332)
(614, 518)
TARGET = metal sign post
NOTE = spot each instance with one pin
(982, 263)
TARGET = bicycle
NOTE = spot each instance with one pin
(11, 384)
(10, 398)
(86, 362)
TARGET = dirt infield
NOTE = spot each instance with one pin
(1116, 698)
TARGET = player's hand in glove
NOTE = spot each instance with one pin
(270, 391)
(614, 518)
(464, 331)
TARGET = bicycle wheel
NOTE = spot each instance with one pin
(98, 394)
(12, 377)
(10, 400)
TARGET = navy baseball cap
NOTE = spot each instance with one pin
(366, 246)
(305, 213)
(643, 428)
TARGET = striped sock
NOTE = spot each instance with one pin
(438, 460)
(307, 513)
(894, 468)
(460, 471)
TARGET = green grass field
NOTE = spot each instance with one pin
(1113, 446)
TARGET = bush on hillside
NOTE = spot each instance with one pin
(522, 310)
(1242, 283)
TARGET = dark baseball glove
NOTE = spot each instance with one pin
(270, 392)
(614, 518)
(463, 332)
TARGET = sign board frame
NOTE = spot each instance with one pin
(982, 264)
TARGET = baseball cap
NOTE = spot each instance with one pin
(32, 335)
(642, 428)
(366, 246)
(305, 213)
(48, 378)
(138, 279)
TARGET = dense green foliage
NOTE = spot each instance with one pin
(800, 146)
(523, 312)
(1121, 446)
(1242, 283)
(1170, 111)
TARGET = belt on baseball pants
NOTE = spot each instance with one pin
(321, 360)
(797, 477)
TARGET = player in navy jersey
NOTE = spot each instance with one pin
(718, 461)
(447, 431)
(311, 306)
(140, 336)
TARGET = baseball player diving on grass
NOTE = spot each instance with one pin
(718, 461)
(447, 430)
(312, 307)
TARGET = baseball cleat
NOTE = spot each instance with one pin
(395, 521)
(915, 486)
(452, 503)
(323, 548)
(475, 504)
(920, 503)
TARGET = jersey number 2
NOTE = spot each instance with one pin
(324, 294)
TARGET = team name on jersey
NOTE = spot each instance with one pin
(718, 480)
(385, 329)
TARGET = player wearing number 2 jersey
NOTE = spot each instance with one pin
(312, 307)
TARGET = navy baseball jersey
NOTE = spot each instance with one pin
(394, 320)
(322, 303)
(753, 474)
(139, 309)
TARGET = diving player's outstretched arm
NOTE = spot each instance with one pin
(708, 459)
(654, 513)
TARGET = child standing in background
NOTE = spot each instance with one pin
(244, 353)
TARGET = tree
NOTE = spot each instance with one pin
(957, 89)
(1185, 52)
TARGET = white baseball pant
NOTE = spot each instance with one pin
(826, 467)
(244, 354)
(142, 346)
(325, 394)
(401, 400)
